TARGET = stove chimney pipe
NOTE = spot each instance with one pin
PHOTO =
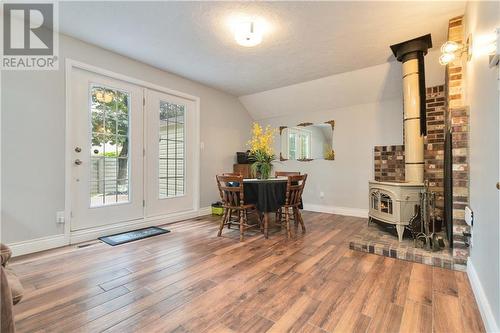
(411, 53)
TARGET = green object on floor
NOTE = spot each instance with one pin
(217, 209)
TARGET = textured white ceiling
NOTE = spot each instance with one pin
(305, 41)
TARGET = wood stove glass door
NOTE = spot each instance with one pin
(374, 200)
(385, 204)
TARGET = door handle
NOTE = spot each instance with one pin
(78, 161)
(78, 149)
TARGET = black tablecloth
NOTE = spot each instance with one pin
(267, 195)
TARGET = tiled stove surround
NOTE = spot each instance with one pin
(458, 120)
(434, 143)
(374, 239)
(445, 109)
(390, 161)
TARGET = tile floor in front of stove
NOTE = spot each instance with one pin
(378, 239)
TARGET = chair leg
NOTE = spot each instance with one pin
(301, 220)
(295, 217)
(242, 214)
(222, 222)
(287, 219)
(229, 218)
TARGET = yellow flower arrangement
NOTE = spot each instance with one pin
(262, 139)
(261, 150)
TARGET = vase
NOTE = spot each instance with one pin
(264, 171)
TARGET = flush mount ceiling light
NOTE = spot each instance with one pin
(248, 33)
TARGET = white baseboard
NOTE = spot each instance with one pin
(50, 242)
(205, 211)
(93, 233)
(484, 306)
(38, 244)
(357, 212)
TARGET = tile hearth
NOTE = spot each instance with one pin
(377, 240)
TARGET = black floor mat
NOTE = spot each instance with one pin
(134, 235)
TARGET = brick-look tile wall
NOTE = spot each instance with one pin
(434, 143)
(389, 163)
(454, 73)
(389, 160)
(458, 122)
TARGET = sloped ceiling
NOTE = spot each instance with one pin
(362, 86)
(306, 40)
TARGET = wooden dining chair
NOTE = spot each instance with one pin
(233, 214)
(279, 214)
(286, 173)
(294, 189)
(233, 200)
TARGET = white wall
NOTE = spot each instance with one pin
(358, 129)
(483, 98)
(33, 136)
(367, 106)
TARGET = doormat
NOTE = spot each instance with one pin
(134, 235)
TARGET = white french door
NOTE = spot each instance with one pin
(133, 152)
(107, 172)
(170, 154)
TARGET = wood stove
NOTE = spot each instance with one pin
(394, 203)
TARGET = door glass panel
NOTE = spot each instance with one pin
(110, 111)
(171, 169)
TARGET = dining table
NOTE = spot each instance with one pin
(268, 195)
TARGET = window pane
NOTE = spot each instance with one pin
(110, 191)
(96, 169)
(122, 194)
(171, 149)
(110, 146)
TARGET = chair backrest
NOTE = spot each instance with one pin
(286, 173)
(236, 174)
(231, 190)
(294, 188)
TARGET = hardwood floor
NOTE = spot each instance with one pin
(192, 281)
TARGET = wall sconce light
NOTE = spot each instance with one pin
(453, 50)
(495, 48)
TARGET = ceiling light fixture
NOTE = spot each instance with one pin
(248, 33)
